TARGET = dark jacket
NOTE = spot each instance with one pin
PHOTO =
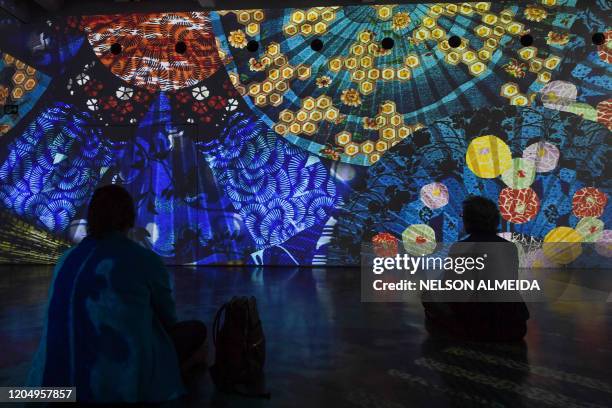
(482, 315)
(110, 305)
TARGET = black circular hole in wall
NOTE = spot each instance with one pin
(180, 47)
(526, 40)
(316, 45)
(454, 41)
(252, 46)
(115, 49)
(598, 38)
(387, 43)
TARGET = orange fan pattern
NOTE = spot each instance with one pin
(148, 56)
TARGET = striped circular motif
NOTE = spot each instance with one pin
(148, 57)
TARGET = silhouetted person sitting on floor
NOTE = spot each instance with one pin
(111, 328)
(480, 315)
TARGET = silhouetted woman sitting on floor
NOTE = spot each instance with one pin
(489, 315)
(111, 328)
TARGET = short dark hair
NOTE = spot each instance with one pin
(480, 215)
(111, 209)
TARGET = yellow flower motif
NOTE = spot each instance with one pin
(557, 38)
(379, 51)
(370, 124)
(323, 81)
(255, 65)
(400, 21)
(515, 68)
(226, 59)
(350, 97)
(237, 39)
(4, 93)
(535, 13)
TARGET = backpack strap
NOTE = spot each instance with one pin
(217, 323)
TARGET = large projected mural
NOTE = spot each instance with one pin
(292, 137)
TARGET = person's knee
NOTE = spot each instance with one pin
(198, 328)
(191, 326)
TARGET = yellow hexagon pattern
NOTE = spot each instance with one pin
(250, 19)
(361, 63)
(313, 21)
(279, 74)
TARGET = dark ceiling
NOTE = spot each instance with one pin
(25, 11)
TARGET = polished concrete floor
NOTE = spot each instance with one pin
(327, 349)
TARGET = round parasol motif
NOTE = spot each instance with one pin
(544, 155)
(521, 175)
(558, 94)
(488, 156)
(385, 245)
(518, 205)
(604, 113)
(589, 202)
(419, 239)
(434, 195)
(562, 245)
(603, 246)
(590, 228)
(605, 50)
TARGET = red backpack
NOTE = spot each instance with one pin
(240, 348)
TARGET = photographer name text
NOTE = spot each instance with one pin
(458, 285)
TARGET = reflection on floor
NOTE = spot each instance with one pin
(326, 348)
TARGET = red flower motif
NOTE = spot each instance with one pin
(385, 244)
(72, 22)
(127, 107)
(199, 107)
(141, 96)
(518, 205)
(93, 87)
(117, 118)
(604, 113)
(182, 97)
(217, 102)
(589, 202)
(230, 89)
(109, 103)
(604, 50)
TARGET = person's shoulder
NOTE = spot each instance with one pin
(62, 259)
(137, 249)
(84, 245)
(141, 255)
(501, 239)
(484, 237)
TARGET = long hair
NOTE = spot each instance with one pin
(480, 215)
(111, 209)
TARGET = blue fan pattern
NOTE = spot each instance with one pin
(53, 168)
(181, 214)
(278, 189)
